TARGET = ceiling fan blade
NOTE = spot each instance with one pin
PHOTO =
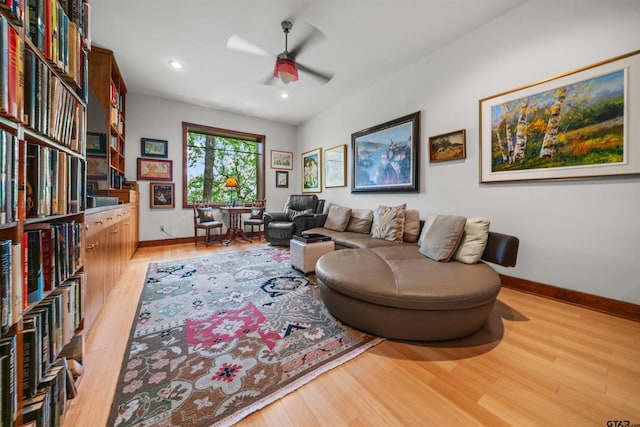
(325, 77)
(313, 37)
(239, 44)
(269, 81)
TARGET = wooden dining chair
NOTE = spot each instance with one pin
(203, 219)
(255, 219)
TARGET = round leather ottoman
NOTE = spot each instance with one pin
(396, 292)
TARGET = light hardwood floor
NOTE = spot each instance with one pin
(537, 362)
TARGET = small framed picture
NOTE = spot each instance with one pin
(92, 187)
(154, 148)
(96, 143)
(281, 160)
(159, 170)
(448, 146)
(162, 195)
(282, 179)
(97, 167)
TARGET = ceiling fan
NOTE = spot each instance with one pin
(286, 67)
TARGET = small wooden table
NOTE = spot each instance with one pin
(235, 230)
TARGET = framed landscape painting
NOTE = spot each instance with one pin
(96, 143)
(154, 148)
(281, 160)
(155, 170)
(385, 157)
(576, 125)
(335, 166)
(448, 146)
(312, 171)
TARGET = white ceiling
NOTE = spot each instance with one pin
(365, 41)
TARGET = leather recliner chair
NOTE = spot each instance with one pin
(299, 214)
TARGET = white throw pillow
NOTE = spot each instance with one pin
(476, 234)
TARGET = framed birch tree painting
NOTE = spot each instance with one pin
(576, 125)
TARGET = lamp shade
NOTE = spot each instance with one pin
(231, 183)
(285, 70)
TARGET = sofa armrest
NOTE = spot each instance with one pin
(316, 221)
(274, 216)
(501, 249)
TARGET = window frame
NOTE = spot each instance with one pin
(225, 133)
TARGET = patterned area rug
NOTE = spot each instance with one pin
(219, 337)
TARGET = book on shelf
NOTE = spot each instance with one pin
(31, 355)
(47, 318)
(54, 302)
(9, 404)
(36, 411)
(6, 297)
(4, 165)
(10, 66)
(16, 279)
(35, 276)
(41, 318)
(54, 384)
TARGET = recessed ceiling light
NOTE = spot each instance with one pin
(175, 64)
(284, 95)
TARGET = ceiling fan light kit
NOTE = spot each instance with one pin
(285, 70)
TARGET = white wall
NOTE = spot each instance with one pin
(151, 117)
(580, 234)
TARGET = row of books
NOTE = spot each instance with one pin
(56, 30)
(16, 7)
(48, 256)
(55, 183)
(52, 252)
(48, 330)
(49, 106)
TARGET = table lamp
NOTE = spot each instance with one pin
(231, 184)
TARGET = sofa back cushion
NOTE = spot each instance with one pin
(411, 225)
(360, 221)
(474, 240)
(441, 236)
(388, 223)
(337, 218)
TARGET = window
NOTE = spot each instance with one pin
(211, 156)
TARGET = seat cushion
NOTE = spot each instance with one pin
(281, 230)
(401, 277)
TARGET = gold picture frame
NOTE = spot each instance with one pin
(335, 166)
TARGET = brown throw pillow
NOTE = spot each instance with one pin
(337, 218)
(360, 221)
(411, 225)
(441, 239)
(388, 223)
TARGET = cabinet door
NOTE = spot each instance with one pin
(94, 270)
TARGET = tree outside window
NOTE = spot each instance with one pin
(212, 155)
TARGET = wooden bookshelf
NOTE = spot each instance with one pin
(43, 98)
(110, 90)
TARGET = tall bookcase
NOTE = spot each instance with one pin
(110, 91)
(44, 48)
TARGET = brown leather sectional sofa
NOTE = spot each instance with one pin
(390, 289)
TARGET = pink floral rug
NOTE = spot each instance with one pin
(217, 338)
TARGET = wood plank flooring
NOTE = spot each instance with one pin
(536, 362)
